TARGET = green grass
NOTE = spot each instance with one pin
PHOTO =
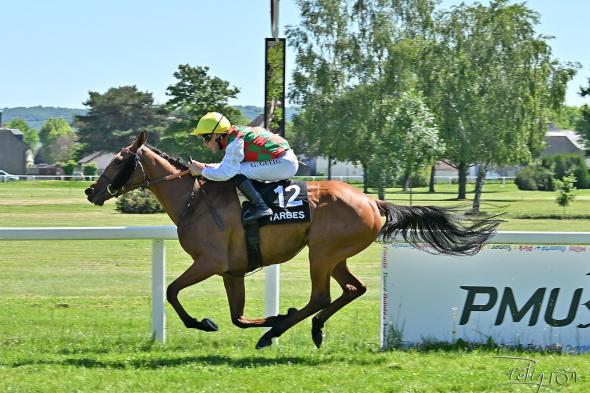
(75, 315)
(522, 210)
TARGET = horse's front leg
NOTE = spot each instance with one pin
(197, 272)
(236, 297)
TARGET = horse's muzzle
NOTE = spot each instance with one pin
(94, 197)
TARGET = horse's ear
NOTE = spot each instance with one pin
(139, 141)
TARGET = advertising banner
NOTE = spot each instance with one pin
(513, 294)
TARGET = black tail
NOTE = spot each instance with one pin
(445, 230)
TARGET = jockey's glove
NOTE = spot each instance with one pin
(195, 167)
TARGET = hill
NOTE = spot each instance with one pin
(251, 111)
(35, 116)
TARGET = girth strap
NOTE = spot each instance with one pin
(253, 246)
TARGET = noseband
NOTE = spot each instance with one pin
(117, 185)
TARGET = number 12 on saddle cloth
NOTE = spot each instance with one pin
(287, 199)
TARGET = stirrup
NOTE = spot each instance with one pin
(253, 214)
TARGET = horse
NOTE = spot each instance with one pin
(344, 221)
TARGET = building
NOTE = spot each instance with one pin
(558, 141)
(13, 151)
(444, 168)
(99, 158)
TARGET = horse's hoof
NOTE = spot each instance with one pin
(264, 342)
(318, 337)
(316, 332)
(208, 325)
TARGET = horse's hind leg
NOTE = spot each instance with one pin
(352, 288)
(320, 298)
(197, 272)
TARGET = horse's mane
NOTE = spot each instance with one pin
(173, 160)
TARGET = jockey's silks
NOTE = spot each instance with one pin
(259, 144)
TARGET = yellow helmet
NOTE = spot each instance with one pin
(212, 122)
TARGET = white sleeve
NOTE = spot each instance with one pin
(229, 165)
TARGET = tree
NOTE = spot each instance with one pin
(115, 117)
(275, 68)
(316, 77)
(583, 124)
(68, 167)
(57, 139)
(30, 137)
(565, 191)
(415, 135)
(497, 79)
(89, 169)
(194, 94)
(408, 144)
(566, 117)
(351, 58)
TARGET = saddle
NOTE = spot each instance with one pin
(289, 203)
(287, 199)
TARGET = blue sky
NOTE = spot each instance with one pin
(54, 52)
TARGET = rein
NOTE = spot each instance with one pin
(124, 175)
(146, 181)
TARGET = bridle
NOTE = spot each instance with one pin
(117, 186)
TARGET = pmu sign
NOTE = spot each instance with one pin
(514, 294)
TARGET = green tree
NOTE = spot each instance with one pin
(320, 80)
(583, 123)
(194, 94)
(89, 169)
(57, 139)
(414, 134)
(274, 85)
(565, 191)
(115, 117)
(497, 79)
(30, 137)
(352, 56)
(567, 117)
(68, 167)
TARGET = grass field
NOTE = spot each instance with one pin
(75, 315)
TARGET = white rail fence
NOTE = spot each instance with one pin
(348, 179)
(5, 178)
(158, 234)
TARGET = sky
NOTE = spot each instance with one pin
(55, 52)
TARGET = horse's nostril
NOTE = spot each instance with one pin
(89, 191)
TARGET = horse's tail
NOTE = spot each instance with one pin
(445, 230)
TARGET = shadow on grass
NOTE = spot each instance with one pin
(490, 346)
(552, 217)
(206, 360)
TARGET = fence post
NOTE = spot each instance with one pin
(271, 291)
(158, 290)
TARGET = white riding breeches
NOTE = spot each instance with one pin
(279, 168)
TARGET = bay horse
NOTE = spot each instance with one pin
(344, 221)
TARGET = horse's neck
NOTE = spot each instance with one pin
(171, 194)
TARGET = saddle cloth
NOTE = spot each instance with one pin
(287, 199)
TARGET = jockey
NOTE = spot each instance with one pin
(249, 153)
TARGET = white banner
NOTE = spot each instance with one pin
(513, 294)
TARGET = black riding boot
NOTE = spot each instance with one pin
(258, 208)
